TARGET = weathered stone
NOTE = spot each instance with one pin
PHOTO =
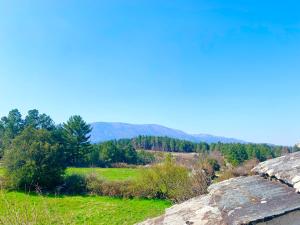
(243, 200)
(285, 169)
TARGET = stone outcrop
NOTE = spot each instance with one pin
(285, 169)
(245, 200)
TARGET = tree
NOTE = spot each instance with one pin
(109, 153)
(10, 127)
(39, 121)
(130, 155)
(34, 159)
(76, 135)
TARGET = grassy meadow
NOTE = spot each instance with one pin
(20, 208)
(107, 173)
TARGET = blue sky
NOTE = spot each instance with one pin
(224, 67)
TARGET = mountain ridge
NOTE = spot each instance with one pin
(105, 131)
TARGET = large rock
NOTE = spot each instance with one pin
(245, 200)
(285, 169)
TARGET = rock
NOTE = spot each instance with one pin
(242, 200)
(245, 200)
(285, 169)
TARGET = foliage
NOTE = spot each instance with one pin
(74, 184)
(214, 164)
(38, 121)
(10, 127)
(13, 124)
(76, 134)
(234, 153)
(238, 153)
(168, 144)
(165, 181)
(109, 153)
(242, 170)
(144, 157)
(33, 160)
(114, 188)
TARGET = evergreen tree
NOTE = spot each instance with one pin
(76, 135)
(38, 121)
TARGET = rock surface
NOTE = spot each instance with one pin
(285, 169)
(245, 200)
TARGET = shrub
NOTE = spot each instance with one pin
(74, 184)
(225, 175)
(99, 186)
(165, 181)
(94, 184)
(245, 168)
(122, 165)
(202, 175)
(34, 160)
(214, 164)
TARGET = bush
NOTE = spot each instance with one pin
(165, 181)
(99, 186)
(34, 160)
(225, 175)
(123, 165)
(214, 164)
(245, 168)
(75, 184)
(94, 184)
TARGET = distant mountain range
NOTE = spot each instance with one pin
(104, 131)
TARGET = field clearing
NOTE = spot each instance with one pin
(108, 173)
(36, 209)
(184, 158)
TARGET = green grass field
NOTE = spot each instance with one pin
(108, 173)
(18, 207)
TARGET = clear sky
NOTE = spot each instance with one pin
(223, 67)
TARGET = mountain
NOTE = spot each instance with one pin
(104, 131)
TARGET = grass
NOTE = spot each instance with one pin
(20, 208)
(108, 173)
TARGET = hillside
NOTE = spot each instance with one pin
(104, 131)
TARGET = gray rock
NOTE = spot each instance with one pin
(242, 200)
(285, 169)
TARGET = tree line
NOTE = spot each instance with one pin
(235, 153)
